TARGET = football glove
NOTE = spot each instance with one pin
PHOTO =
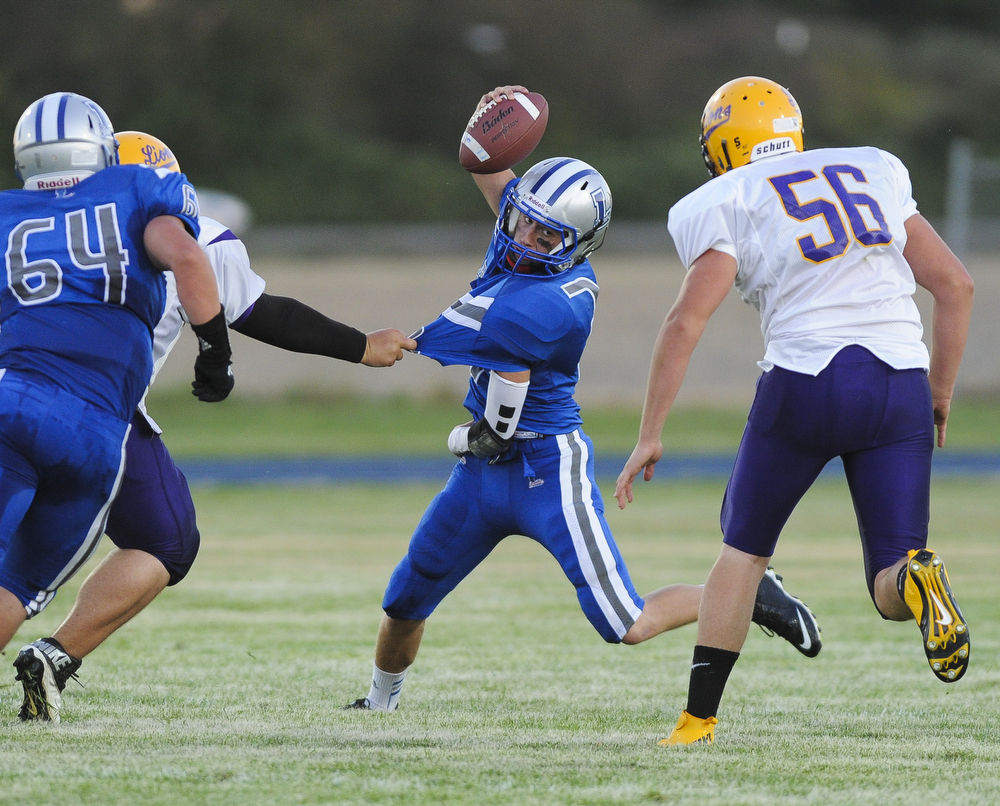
(478, 439)
(213, 372)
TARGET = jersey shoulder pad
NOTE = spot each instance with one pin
(714, 193)
(543, 310)
(212, 231)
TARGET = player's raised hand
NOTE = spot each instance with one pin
(643, 460)
(497, 93)
(385, 347)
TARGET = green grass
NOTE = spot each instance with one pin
(227, 690)
(316, 425)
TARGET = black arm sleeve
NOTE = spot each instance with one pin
(292, 325)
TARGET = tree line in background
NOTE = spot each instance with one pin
(319, 111)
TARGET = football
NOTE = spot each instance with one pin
(503, 133)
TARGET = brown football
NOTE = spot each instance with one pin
(503, 133)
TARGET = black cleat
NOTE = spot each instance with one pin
(43, 669)
(777, 612)
(361, 704)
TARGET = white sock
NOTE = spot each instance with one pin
(384, 693)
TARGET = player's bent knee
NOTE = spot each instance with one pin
(180, 561)
(177, 552)
(410, 594)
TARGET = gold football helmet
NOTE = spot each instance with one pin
(747, 119)
(139, 148)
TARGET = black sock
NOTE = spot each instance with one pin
(710, 668)
(55, 643)
(61, 648)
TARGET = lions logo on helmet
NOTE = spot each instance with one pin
(564, 194)
(747, 119)
(139, 148)
(61, 139)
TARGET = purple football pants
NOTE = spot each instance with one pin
(877, 419)
(154, 511)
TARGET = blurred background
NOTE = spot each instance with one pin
(326, 134)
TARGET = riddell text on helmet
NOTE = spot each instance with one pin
(55, 184)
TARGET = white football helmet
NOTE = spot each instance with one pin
(61, 139)
(566, 195)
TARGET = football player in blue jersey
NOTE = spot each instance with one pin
(152, 520)
(525, 464)
(829, 246)
(87, 245)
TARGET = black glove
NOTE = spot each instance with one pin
(213, 373)
(486, 443)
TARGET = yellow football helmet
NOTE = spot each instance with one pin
(139, 148)
(747, 119)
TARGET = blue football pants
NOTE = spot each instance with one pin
(543, 489)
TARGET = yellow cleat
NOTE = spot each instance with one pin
(927, 592)
(691, 730)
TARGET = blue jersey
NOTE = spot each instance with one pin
(82, 296)
(514, 322)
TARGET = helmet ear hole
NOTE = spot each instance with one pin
(510, 225)
(726, 165)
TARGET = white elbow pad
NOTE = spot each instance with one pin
(504, 402)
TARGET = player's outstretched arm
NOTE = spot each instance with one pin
(292, 325)
(385, 347)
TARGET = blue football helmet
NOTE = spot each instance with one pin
(61, 139)
(565, 195)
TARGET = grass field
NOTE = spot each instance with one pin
(227, 690)
(322, 425)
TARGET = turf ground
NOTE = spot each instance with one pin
(228, 688)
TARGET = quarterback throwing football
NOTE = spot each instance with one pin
(525, 464)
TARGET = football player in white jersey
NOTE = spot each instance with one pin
(152, 521)
(828, 245)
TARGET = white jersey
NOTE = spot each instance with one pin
(239, 288)
(818, 238)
